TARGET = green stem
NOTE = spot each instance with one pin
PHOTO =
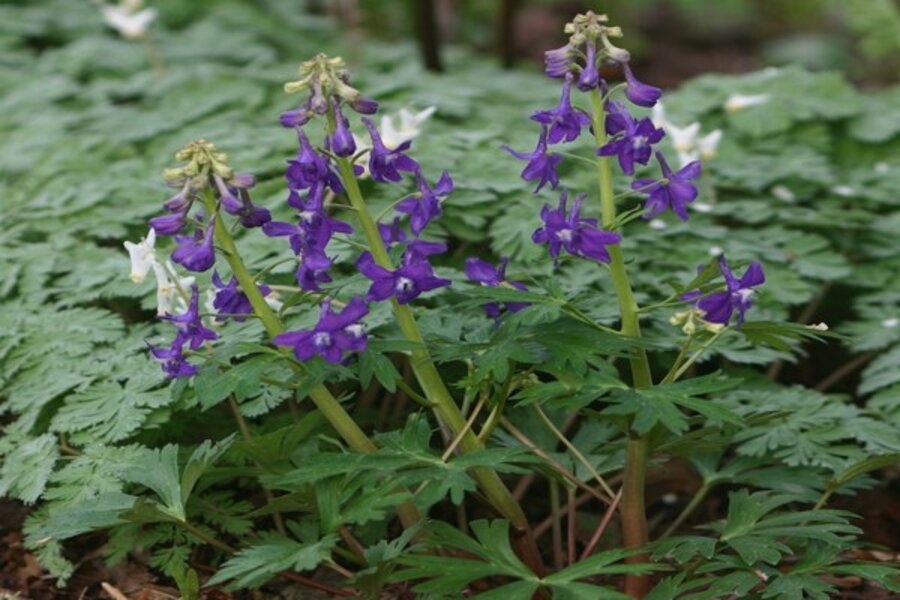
(445, 408)
(634, 518)
(327, 404)
(698, 497)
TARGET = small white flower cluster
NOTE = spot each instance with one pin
(172, 291)
(128, 17)
(688, 142)
(396, 129)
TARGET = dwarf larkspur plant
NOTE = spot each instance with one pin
(564, 371)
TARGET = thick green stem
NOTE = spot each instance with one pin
(327, 404)
(430, 379)
(634, 518)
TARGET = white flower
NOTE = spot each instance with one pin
(657, 224)
(170, 295)
(890, 323)
(273, 302)
(881, 168)
(406, 128)
(127, 18)
(738, 102)
(708, 145)
(715, 251)
(784, 193)
(143, 256)
(843, 190)
(687, 140)
(819, 326)
(702, 207)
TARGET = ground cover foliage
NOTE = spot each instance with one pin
(95, 439)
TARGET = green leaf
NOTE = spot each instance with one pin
(255, 565)
(27, 466)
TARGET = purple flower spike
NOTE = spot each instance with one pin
(487, 274)
(720, 306)
(541, 165)
(564, 121)
(190, 327)
(558, 62)
(427, 206)
(674, 191)
(578, 236)
(634, 145)
(385, 165)
(414, 277)
(231, 300)
(393, 233)
(342, 140)
(172, 359)
(590, 74)
(333, 335)
(639, 93)
(196, 253)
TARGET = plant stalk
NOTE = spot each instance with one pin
(327, 404)
(634, 518)
(430, 379)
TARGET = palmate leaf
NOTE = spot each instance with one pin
(274, 553)
(26, 465)
(494, 557)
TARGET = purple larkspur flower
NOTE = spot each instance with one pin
(590, 74)
(541, 165)
(311, 169)
(236, 202)
(169, 224)
(427, 205)
(565, 121)
(196, 253)
(172, 359)
(487, 274)
(231, 300)
(342, 142)
(334, 335)
(392, 233)
(558, 62)
(190, 326)
(414, 277)
(364, 106)
(718, 307)
(634, 141)
(298, 117)
(674, 191)
(570, 231)
(385, 165)
(639, 93)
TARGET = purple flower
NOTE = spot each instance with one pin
(674, 191)
(364, 106)
(639, 93)
(406, 283)
(565, 122)
(230, 299)
(297, 117)
(190, 327)
(718, 307)
(427, 205)
(541, 165)
(487, 274)
(248, 213)
(393, 233)
(169, 224)
(579, 236)
(196, 253)
(590, 74)
(558, 62)
(172, 359)
(341, 140)
(333, 335)
(310, 169)
(385, 165)
(634, 144)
